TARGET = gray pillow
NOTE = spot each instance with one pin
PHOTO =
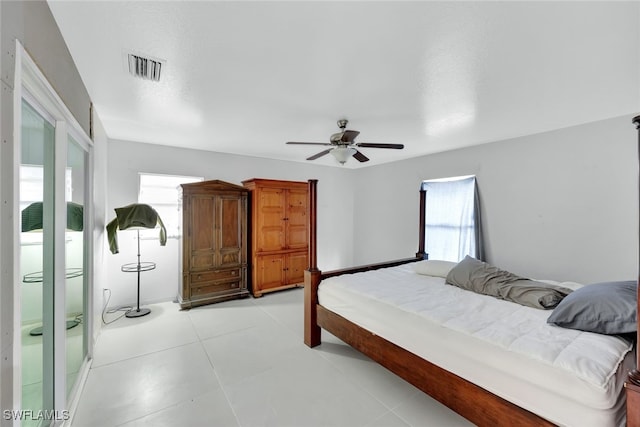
(605, 308)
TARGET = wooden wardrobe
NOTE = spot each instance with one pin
(279, 234)
(214, 243)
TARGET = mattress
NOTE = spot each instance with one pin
(565, 376)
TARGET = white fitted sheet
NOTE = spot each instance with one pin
(568, 377)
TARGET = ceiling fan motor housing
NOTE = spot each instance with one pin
(336, 137)
(346, 137)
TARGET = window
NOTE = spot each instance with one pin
(452, 219)
(162, 193)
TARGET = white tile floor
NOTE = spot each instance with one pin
(242, 363)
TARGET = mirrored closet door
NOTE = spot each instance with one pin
(36, 256)
(54, 274)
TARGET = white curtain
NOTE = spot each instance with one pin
(452, 219)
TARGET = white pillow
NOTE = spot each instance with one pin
(434, 267)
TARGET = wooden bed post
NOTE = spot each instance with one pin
(633, 380)
(421, 232)
(312, 275)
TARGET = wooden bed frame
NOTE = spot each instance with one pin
(476, 404)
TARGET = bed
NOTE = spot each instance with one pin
(483, 373)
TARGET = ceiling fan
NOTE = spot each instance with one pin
(343, 146)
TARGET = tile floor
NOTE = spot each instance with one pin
(242, 363)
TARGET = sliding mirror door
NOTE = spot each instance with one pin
(36, 260)
(54, 254)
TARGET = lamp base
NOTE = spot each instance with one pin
(137, 313)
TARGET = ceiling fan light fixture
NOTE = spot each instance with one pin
(342, 154)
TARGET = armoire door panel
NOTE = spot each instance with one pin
(297, 237)
(271, 224)
(271, 239)
(297, 220)
(230, 230)
(272, 198)
(230, 257)
(298, 199)
(296, 264)
(270, 271)
(203, 224)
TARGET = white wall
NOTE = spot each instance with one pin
(561, 205)
(127, 159)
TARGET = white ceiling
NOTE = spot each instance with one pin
(245, 77)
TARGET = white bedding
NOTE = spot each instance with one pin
(566, 376)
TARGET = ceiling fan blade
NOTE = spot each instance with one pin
(320, 154)
(349, 135)
(360, 157)
(375, 145)
(309, 143)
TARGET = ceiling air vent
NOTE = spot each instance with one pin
(145, 68)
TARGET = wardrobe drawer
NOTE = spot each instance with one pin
(207, 288)
(208, 276)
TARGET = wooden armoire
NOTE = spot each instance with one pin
(279, 234)
(214, 243)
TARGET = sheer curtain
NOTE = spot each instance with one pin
(452, 219)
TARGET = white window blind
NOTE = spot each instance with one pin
(452, 219)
